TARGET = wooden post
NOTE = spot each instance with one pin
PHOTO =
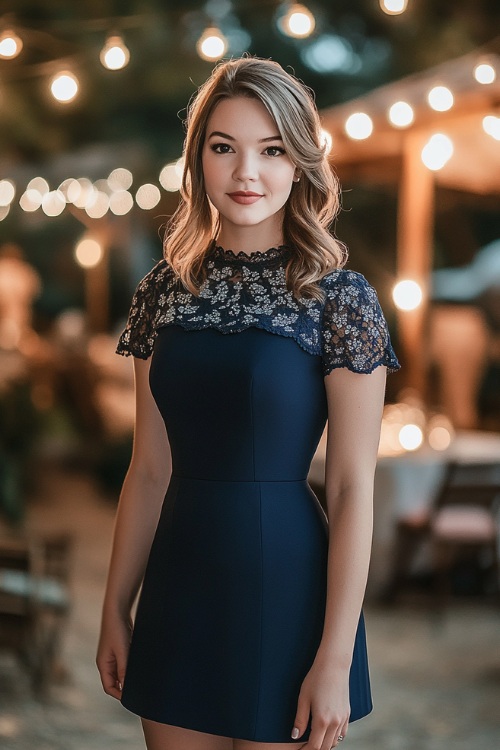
(414, 255)
(97, 294)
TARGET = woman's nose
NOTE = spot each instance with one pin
(246, 168)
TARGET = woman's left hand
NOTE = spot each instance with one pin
(325, 695)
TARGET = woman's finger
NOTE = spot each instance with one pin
(301, 717)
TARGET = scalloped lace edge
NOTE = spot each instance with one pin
(389, 359)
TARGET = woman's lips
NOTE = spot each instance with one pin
(245, 198)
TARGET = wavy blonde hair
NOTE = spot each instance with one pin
(313, 202)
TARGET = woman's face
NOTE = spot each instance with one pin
(248, 175)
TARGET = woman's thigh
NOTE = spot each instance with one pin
(167, 737)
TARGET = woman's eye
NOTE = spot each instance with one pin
(221, 148)
(276, 149)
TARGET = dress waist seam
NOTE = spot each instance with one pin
(236, 481)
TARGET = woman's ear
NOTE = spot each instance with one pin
(296, 176)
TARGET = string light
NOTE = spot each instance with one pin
(407, 295)
(30, 200)
(437, 151)
(359, 126)
(39, 184)
(491, 126)
(411, 437)
(115, 55)
(170, 177)
(147, 196)
(297, 21)
(88, 253)
(97, 205)
(53, 203)
(212, 44)
(485, 73)
(10, 44)
(121, 202)
(401, 114)
(64, 87)
(120, 179)
(440, 98)
(393, 7)
(7, 192)
(4, 212)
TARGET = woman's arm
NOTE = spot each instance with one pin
(355, 403)
(137, 516)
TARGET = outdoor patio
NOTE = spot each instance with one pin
(436, 684)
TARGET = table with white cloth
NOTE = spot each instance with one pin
(405, 485)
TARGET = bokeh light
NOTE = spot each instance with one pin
(10, 44)
(491, 126)
(171, 177)
(39, 184)
(359, 126)
(7, 192)
(121, 202)
(212, 44)
(411, 437)
(437, 151)
(147, 196)
(88, 253)
(120, 179)
(393, 7)
(485, 73)
(64, 87)
(30, 200)
(297, 21)
(440, 98)
(407, 294)
(401, 114)
(115, 55)
(53, 203)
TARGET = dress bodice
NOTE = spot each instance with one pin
(241, 291)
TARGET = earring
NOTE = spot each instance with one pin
(297, 179)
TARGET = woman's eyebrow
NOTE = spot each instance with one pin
(230, 137)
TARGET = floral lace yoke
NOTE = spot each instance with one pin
(248, 290)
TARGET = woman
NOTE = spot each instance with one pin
(248, 633)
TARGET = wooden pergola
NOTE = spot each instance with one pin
(393, 155)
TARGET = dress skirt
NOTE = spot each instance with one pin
(232, 605)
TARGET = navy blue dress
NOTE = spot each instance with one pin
(232, 605)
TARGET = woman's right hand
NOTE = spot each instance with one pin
(112, 653)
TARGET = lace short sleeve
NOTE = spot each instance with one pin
(354, 330)
(139, 334)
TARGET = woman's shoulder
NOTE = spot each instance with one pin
(160, 273)
(344, 277)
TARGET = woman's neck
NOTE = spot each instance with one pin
(249, 239)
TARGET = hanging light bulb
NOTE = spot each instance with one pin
(485, 73)
(10, 44)
(401, 114)
(440, 98)
(297, 21)
(359, 126)
(64, 87)
(393, 7)
(407, 294)
(115, 54)
(491, 125)
(212, 44)
(437, 151)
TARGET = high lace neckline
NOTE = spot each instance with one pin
(278, 251)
